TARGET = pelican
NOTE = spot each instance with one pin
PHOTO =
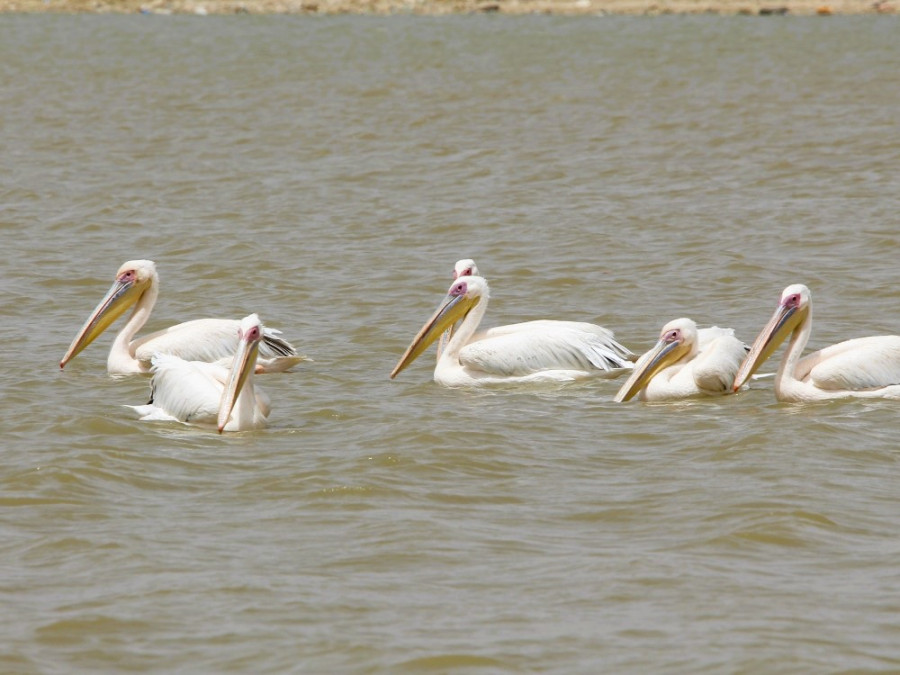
(534, 351)
(211, 393)
(866, 367)
(137, 283)
(465, 268)
(686, 362)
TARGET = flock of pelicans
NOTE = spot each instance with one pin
(203, 370)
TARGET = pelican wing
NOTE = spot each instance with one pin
(705, 336)
(187, 391)
(855, 365)
(522, 349)
(548, 325)
(715, 367)
(213, 339)
(273, 345)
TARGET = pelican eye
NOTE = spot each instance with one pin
(458, 289)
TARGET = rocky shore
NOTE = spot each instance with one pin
(441, 7)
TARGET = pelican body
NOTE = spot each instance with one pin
(466, 267)
(137, 284)
(204, 393)
(534, 351)
(686, 362)
(866, 367)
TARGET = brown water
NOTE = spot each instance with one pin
(327, 173)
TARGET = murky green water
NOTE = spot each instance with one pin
(327, 173)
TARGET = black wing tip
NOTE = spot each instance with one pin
(278, 347)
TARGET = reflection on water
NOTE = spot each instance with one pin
(326, 173)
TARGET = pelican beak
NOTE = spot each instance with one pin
(243, 364)
(454, 308)
(783, 322)
(663, 354)
(122, 295)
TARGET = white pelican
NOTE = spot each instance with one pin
(686, 362)
(534, 351)
(198, 392)
(465, 268)
(137, 283)
(866, 367)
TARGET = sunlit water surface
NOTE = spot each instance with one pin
(327, 173)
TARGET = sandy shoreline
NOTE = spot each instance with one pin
(441, 7)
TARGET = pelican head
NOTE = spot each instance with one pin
(463, 296)
(133, 279)
(677, 339)
(793, 309)
(249, 335)
(465, 268)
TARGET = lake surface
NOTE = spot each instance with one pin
(327, 173)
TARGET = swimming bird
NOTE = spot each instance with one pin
(866, 367)
(137, 284)
(465, 268)
(685, 363)
(533, 351)
(198, 392)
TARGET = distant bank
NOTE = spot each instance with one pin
(440, 7)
